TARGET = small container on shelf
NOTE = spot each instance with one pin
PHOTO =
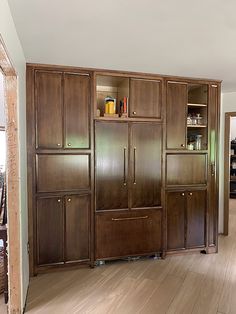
(198, 143)
(199, 118)
(110, 105)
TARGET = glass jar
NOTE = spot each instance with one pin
(198, 142)
(198, 118)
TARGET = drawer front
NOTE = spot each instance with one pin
(128, 233)
(186, 169)
(62, 173)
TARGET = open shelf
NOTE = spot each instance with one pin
(115, 87)
(197, 126)
(196, 105)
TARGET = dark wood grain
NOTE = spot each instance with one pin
(186, 169)
(50, 230)
(176, 207)
(62, 172)
(213, 173)
(117, 238)
(145, 166)
(77, 227)
(196, 217)
(111, 165)
(77, 110)
(176, 108)
(49, 109)
(145, 98)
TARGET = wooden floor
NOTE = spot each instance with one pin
(180, 284)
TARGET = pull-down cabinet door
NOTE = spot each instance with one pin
(145, 150)
(76, 106)
(111, 165)
(176, 115)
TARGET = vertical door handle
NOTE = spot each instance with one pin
(213, 169)
(134, 165)
(124, 167)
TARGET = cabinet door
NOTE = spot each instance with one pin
(77, 110)
(196, 215)
(176, 115)
(48, 109)
(77, 227)
(176, 220)
(50, 231)
(145, 98)
(111, 165)
(128, 233)
(146, 164)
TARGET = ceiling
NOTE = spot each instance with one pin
(186, 38)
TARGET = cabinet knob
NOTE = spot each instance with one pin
(182, 194)
(182, 145)
(69, 144)
(134, 112)
(124, 183)
(58, 144)
(190, 194)
(69, 200)
(59, 200)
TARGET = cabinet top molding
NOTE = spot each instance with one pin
(35, 66)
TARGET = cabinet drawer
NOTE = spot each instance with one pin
(128, 233)
(186, 169)
(62, 172)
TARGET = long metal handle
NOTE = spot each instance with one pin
(134, 165)
(129, 218)
(213, 169)
(125, 167)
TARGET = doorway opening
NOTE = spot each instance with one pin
(229, 170)
(11, 206)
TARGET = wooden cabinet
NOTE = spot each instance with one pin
(62, 109)
(176, 115)
(63, 172)
(145, 165)
(134, 165)
(48, 98)
(77, 236)
(111, 165)
(145, 98)
(128, 233)
(77, 110)
(50, 230)
(175, 220)
(196, 218)
(186, 169)
(63, 229)
(186, 219)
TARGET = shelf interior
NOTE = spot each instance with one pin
(114, 86)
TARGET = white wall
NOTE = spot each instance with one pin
(13, 45)
(228, 104)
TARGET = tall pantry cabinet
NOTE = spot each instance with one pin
(140, 181)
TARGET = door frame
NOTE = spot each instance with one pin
(12, 180)
(228, 115)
